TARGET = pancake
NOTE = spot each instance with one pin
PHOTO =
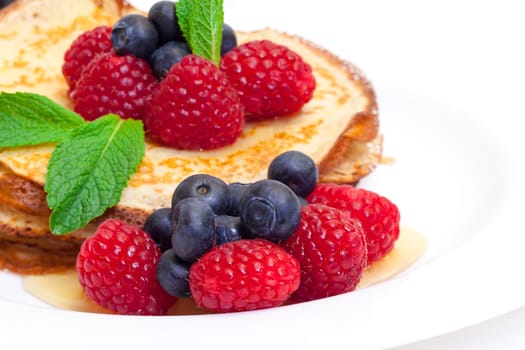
(338, 128)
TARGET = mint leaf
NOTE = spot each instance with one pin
(29, 119)
(91, 164)
(201, 24)
(183, 13)
(88, 171)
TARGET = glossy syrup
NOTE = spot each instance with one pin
(64, 291)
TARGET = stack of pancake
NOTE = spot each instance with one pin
(338, 128)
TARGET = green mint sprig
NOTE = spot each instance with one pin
(92, 161)
(201, 24)
(88, 171)
(28, 119)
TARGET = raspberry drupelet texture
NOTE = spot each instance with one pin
(272, 80)
(117, 269)
(86, 47)
(195, 107)
(378, 215)
(331, 249)
(114, 84)
(244, 275)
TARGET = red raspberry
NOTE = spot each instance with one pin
(244, 275)
(331, 250)
(114, 84)
(195, 107)
(271, 79)
(377, 214)
(117, 269)
(83, 49)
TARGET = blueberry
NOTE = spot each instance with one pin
(4, 3)
(296, 170)
(173, 275)
(302, 201)
(228, 228)
(163, 15)
(209, 188)
(269, 209)
(194, 231)
(166, 56)
(159, 227)
(134, 34)
(236, 189)
(229, 39)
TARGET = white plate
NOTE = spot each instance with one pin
(448, 191)
(457, 178)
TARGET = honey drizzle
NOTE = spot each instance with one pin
(63, 290)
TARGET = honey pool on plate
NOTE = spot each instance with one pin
(63, 290)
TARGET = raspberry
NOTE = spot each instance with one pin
(244, 275)
(117, 269)
(83, 49)
(377, 214)
(195, 107)
(331, 250)
(271, 79)
(114, 84)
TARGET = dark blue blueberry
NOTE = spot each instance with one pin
(173, 274)
(229, 39)
(236, 189)
(302, 201)
(163, 15)
(158, 226)
(4, 3)
(134, 34)
(206, 187)
(296, 170)
(269, 209)
(228, 228)
(194, 230)
(166, 56)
